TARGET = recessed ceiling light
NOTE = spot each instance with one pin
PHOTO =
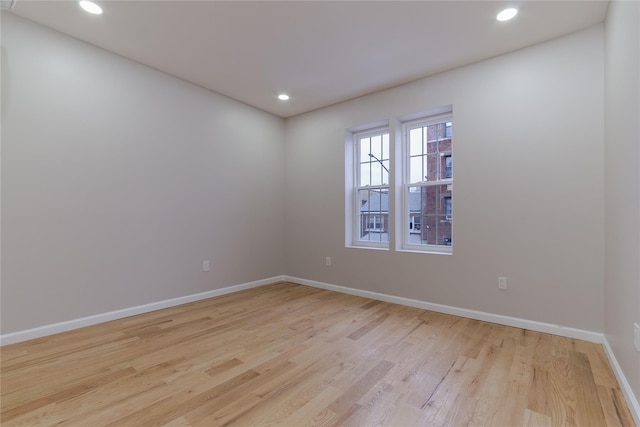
(91, 7)
(507, 14)
(283, 97)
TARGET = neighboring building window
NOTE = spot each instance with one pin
(414, 224)
(447, 129)
(371, 204)
(448, 170)
(428, 183)
(374, 223)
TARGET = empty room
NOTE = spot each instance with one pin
(341, 213)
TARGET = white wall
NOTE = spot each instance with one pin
(622, 185)
(528, 201)
(118, 180)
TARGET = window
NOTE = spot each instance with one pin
(371, 203)
(428, 183)
(399, 183)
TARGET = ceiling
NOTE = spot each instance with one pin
(320, 53)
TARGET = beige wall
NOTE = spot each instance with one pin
(529, 139)
(118, 181)
(622, 185)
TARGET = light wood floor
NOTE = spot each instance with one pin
(291, 355)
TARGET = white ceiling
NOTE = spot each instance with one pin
(320, 52)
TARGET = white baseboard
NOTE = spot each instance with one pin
(632, 400)
(55, 328)
(69, 325)
(462, 312)
(596, 337)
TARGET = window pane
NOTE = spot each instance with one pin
(365, 174)
(376, 173)
(415, 141)
(416, 169)
(374, 215)
(432, 167)
(433, 205)
(432, 138)
(365, 149)
(385, 172)
(385, 147)
(444, 146)
(376, 146)
(439, 131)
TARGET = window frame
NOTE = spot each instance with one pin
(406, 126)
(357, 217)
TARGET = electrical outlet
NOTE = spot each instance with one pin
(327, 261)
(205, 265)
(502, 283)
(636, 336)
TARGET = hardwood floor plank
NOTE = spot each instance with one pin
(224, 366)
(349, 398)
(368, 327)
(614, 408)
(292, 355)
(586, 391)
(178, 422)
(535, 419)
(161, 412)
(277, 399)
(65, 393)
(312, 411)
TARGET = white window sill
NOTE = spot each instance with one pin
(430, 251)
(375, 248)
